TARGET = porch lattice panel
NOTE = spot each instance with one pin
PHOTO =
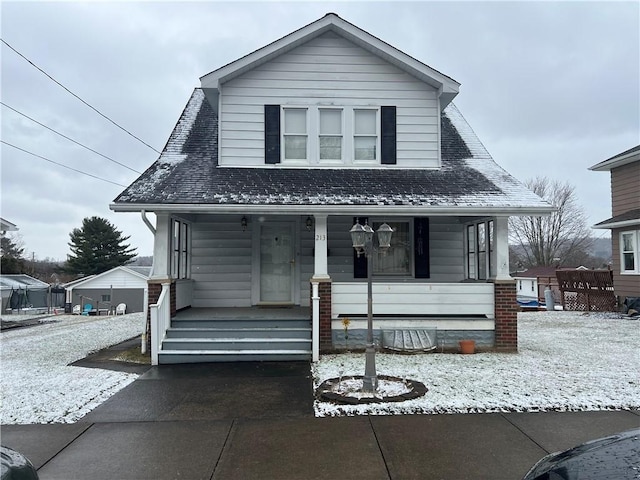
(587, 290)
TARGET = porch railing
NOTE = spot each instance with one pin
(160, 321)
(394, 298)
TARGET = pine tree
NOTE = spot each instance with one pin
(11, 260)
(97, 247)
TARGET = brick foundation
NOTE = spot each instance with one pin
(506, 315)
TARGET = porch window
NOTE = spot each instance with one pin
(471, 251)
(330, 135)
(295, 133)
(479, 250)
(397, 260)
(629, 252)
(180, 260)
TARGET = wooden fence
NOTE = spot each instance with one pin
(587, 290)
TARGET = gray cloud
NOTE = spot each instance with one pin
(551, 88)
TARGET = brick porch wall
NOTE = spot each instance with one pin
(506, 315)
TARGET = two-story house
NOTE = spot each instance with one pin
(274, 159)
(625, 222)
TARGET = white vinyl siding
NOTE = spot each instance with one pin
(328, 71)
(222, 253)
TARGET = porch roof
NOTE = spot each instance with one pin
(186, 177)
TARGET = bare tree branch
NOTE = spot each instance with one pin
(554, 239)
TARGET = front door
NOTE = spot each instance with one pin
(277, 263)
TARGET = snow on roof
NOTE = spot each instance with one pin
(21, 281)
(468, 179)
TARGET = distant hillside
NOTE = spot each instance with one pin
(597, 255)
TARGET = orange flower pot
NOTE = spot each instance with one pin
(467, 346)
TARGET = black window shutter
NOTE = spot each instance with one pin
(359, 262)
(272, 133)
(421, 246)
(388, 140)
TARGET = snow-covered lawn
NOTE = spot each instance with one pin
(36, 383)
(566, 361)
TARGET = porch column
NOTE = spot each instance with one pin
(320, 270)
(320, 290)
(501, 247)
(505, 304)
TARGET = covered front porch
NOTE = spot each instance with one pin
(443, 272)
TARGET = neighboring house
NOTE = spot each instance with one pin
(625, 221)
(105, 291)
(531, 284)
(273, 160)
(22, 293)
(7, 226)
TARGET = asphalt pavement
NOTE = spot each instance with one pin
(254, 420)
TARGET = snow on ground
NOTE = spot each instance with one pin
(566, 361)
(36, 383)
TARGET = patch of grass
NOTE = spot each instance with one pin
(133, 355)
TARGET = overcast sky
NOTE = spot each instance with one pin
(550, 88)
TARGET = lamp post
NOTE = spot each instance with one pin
(362, 240)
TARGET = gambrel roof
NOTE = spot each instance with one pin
(186, 178)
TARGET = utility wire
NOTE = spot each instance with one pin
(87, 104)
(68, 138)
(61, 165)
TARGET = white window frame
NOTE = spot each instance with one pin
(376, 159)
(285, 134)
(180, 261)
(635, 250)
(313, 136)
(327, 161)
(472, 257)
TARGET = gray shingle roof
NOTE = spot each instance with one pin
(187, 173)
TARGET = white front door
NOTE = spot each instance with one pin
(277, 263)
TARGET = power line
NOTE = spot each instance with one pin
(87, 104)
(68, 138)
(61, 165)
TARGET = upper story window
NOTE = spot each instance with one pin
(365, 134)
(330, 135)
(629, 251)
(295, 133)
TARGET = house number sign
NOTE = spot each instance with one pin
(321, 238)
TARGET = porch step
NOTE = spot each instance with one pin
(226, 344)
(205, 356)
(241, 323)
(238, 332)
(236, 339)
